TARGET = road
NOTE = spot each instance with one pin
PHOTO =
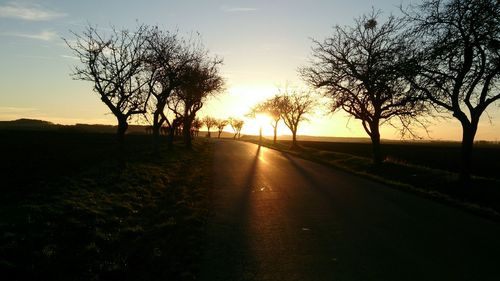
(277, 217)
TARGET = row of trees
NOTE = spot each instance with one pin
(442, 56)
(290, 106)
(235, 123)
(148, 72)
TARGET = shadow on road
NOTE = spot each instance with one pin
(282, 218)
(228, 254)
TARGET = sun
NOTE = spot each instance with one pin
(237, 102)
(259, 123)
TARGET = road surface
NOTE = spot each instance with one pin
(277, 217)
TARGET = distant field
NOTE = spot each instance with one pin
(73, 207)
(438, 155)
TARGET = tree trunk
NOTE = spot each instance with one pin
(468, 135)
(275, 132)
(156, 141)
(220, 132)
(208, 133)
(156, 134)
(186, 131)
(375, 138)
(294, 139)
(122, 128)
(170, 138)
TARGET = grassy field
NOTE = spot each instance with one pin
(438, 155)
(73, 207)
(427, 169)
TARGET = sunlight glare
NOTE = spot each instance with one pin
(261, 119)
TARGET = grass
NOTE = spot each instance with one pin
(435, 155)
(83, 212)
(482, 196)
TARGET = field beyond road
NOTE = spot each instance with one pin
(437, 155)
(428, 169)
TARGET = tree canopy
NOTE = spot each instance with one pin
(459, 61)
(114, 63)
(362, 70)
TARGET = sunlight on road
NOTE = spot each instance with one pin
(262, 155)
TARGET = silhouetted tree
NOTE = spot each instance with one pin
(270, 107)
(163, 130)
(174, 122)
(209, 122)
(362, 70)
(221, 124)
(201, 80)
(236, 125)
(196, 126)
(294, 106)
(114, 63)
(459, 68)
(167, 57)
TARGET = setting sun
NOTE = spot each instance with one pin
(260, 122)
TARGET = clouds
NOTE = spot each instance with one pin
(228, 9)
(69, 57)
(14, 112)
(44, 35)
(28, 12)
(32, 12)
(14, 109)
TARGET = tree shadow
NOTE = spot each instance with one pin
(306, 175)
(228, 254)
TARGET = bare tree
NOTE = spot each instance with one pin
(270, 107)
(114, 63)
(460, 61)
(209, 122)
(201, 80)
(294, 106)
(168, 57)
(196, 126)
(236, 125)
(362, 70)
(175, 122)
(182, 75)
(221, 124)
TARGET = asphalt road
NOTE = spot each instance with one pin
(277, 217)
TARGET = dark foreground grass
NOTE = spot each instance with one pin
(83, 211)
(481, 196)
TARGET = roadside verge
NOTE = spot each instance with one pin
(481, 197)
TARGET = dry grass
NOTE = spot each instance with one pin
(137, 219)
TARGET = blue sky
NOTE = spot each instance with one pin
(262, 44)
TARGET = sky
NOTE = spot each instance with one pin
(262, 43)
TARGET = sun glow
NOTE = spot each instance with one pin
(252, 127)
(260, 124)
(238, 101)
